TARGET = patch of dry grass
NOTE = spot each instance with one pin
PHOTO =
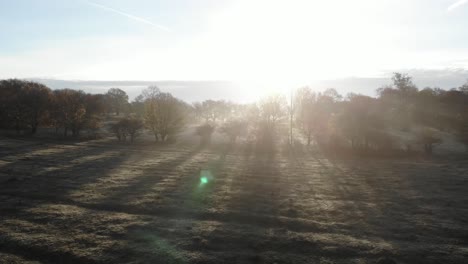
(99, 203)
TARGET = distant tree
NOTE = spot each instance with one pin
(138, 106)
(57, 116)
(233, 129)
(212, 110)
(463, 133)
(69, 110)
(464, 88)
(127, 127)
(133, 127)
(204, 132)
(164, 114)
(399, 99)
(307, 112)
(198, 110)
(427, 107)
(428, 138)
(75, 110)
(270, 112)
(117, 99)
(24, 104)
(95, 104)
(12, 106)
(36, 98)
(93, 125)
(333, 94)
(404, 83)
(327, 106)
(119, 131)
(360, 122)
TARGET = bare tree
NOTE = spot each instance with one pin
(428, 138)
(233, 129)
(361, 123)
(270, 112)
(212, 110)
(138, 106)
(127, 127)
(306, 112)
(11, 104)
(204, 132)
(117, 99)
(75, 109)
(133, 127)
(164, 114)
(23, 104)
(36, 98)
(69, 110)
(198, 110)
(400, 98)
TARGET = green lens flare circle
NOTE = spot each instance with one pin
(203, 180)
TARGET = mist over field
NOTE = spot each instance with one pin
(192, 91)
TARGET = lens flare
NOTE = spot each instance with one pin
(205, 177)
(203, 180)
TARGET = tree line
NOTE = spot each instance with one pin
(401, 116)
(26, 105)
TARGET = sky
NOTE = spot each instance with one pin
(286, 43)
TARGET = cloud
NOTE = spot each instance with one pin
(133, 17)
(457, 5)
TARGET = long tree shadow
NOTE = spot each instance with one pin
(252, 199)
(45, 171)
(195, 193)
(151, 242)
(139, 194)
(48, 179)
(42, 253)
(373, 201)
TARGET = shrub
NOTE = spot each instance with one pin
(127, 127)
(233, 129)
(428, 138)
(204, 132)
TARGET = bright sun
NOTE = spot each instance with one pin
(275, 44)
(266, 46)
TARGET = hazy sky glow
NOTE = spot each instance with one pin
(285, 42)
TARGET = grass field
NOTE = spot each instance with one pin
(97, 202)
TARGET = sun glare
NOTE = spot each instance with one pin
(277, 44)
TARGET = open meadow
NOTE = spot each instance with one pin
(99, 202)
